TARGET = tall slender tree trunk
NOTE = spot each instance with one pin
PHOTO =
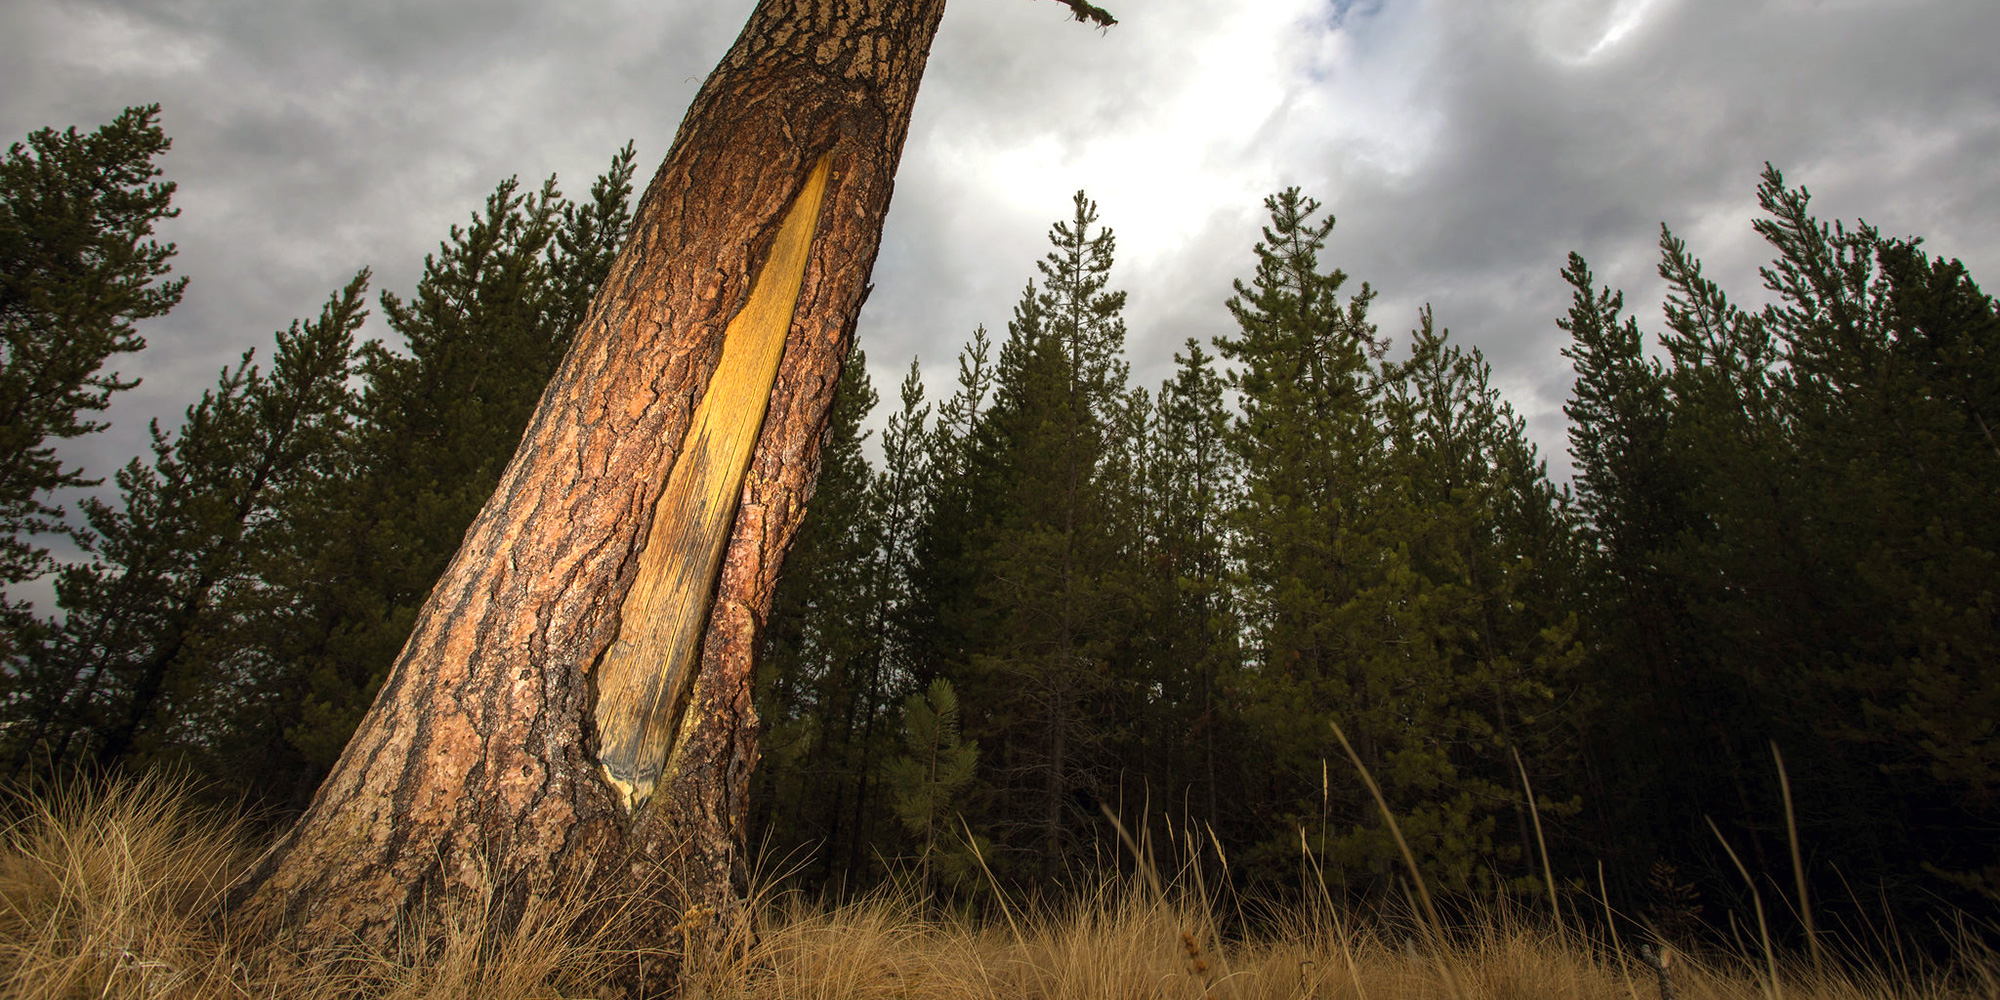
(480, 773)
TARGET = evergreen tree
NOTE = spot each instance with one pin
(148, 663)
(936, 767)
(1792, 546)
(900, 497)
(1618, 424)
(1871, 608)
(1178, 735)
(1940, 692)
(1311, 454)
(758, 146)
(79, 268)
(937, 620)
(1484, 645)
(1045, 549)
(1401, 553)
(1632, 495)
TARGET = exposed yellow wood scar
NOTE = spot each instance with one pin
(643, 679)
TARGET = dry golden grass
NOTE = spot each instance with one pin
(1132, 946)
(104, 895)
(114, 894)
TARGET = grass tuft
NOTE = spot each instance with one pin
(116, 893)
(107, 894)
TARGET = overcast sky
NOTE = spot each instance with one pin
(1464, 146)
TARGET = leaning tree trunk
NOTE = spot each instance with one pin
(573, 708)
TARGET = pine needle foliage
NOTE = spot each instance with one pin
(935, 768)
(1791, 544)
(151, 661)
(1154, 605)
(79, 269)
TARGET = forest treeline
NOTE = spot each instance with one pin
(1047, 596)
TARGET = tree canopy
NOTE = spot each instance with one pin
(1048, 594)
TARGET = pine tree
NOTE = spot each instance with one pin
(1632, 493)
(148, 664)
(935, 768)
(1047, 618)
(1886, 569)
(937, 620)
(896, 498)
(1791, 546)
(1483, 647)
(899, 496)
(733, 308)
(1179, 736)
(1387, 535)
(1311, 452)
(1618, 417)
(79, 268)
(1942, 694)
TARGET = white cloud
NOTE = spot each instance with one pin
(1580, 31)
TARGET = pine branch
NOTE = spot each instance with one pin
(1089, 13)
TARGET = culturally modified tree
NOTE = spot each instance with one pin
(435, 425)
(573, 706)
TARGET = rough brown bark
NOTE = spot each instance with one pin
(474, 775)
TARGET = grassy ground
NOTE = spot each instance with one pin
(110, 895)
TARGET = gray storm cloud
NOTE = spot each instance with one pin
(1465, 147)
